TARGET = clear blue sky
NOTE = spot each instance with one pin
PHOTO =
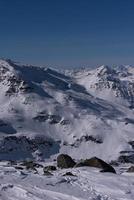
(67, 32)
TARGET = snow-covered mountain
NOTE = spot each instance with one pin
(113, 84)
(86, 113)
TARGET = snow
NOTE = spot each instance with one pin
(83, 113)
(65, 108)
(87, 183)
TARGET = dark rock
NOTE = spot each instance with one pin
(16, 85)
(19, 168)
(54, 119)
(47, 173)
(91, 138)
(64, 122)
(42, 117)
(15, 143)
(12, 162)
(131, 143)
(96, 162)
(31, 165)
(68, 174)
(86, 138)
(130, 169)
(129, 121)
(127, 152)
(126, 158)
(114, 162)
(65, 143)
(80, 164)
(108, 170)
(6, 127)
(65, 161)
(50, 168)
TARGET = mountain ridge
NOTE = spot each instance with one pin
(86, 113)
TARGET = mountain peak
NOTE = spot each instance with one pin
(105, 70)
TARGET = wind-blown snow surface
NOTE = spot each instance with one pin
(44, 112)
(87, 183)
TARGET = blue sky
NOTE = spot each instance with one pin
(67, 32)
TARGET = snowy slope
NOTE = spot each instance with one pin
(87, 183)
(113, 84)
(44, 112)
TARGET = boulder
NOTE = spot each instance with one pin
(49, 168)
(19, 168)
(65, 161)
(68, 174)
(130, 169)
(96, 162)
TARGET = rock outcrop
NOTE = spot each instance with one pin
(65, 161)
(98, 163)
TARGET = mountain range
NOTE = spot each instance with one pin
(84, 112)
